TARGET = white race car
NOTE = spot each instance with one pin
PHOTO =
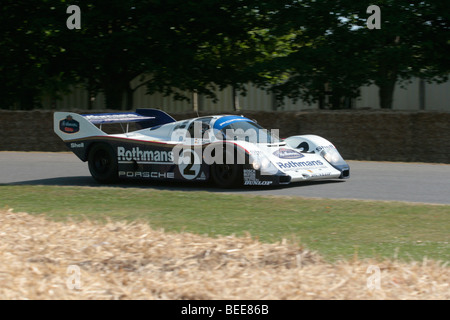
(226, 149)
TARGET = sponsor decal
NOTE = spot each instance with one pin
(77, 145)
(255, 152)
(257, 183)
(319, 174)
(320, 148)
(136, 154)
(323, 174)
(249, 174)
(69, 125)
(284, 153)
(299, 164)
(114, 117)
(202, 176)
(251, 180)
(146, 174)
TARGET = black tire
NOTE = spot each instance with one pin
(227, 175)
(103, 163)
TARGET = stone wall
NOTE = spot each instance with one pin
(358, 135)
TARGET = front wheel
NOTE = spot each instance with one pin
(103, 163)
(227, 175)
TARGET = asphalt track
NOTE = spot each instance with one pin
(386, 181)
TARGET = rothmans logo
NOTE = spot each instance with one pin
(69, 125)
(136, 154)
(299, 164)
(284, 153)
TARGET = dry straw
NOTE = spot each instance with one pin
(39, 259)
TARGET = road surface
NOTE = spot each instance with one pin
(411, 182)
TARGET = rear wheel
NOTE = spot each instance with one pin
(103, 163)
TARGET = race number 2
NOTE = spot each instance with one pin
(189, 164)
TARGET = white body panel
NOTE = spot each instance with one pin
(300, 167)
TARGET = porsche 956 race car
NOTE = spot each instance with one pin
(228, 150)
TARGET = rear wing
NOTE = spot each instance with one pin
(115, 118)
(72, 126)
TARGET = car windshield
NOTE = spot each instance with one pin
(249, 131)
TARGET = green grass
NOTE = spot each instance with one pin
(337, 229)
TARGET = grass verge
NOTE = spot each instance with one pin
(337, 229)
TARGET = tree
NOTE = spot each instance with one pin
(318, 61)
(412, 42)
(29, 63)
(174, 45)
(345, 54)
(217, 44)
(301, 49)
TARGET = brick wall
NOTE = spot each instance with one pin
(358, 135)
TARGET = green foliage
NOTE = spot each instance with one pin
(344, 54)
(300, 49)
(29, 52)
